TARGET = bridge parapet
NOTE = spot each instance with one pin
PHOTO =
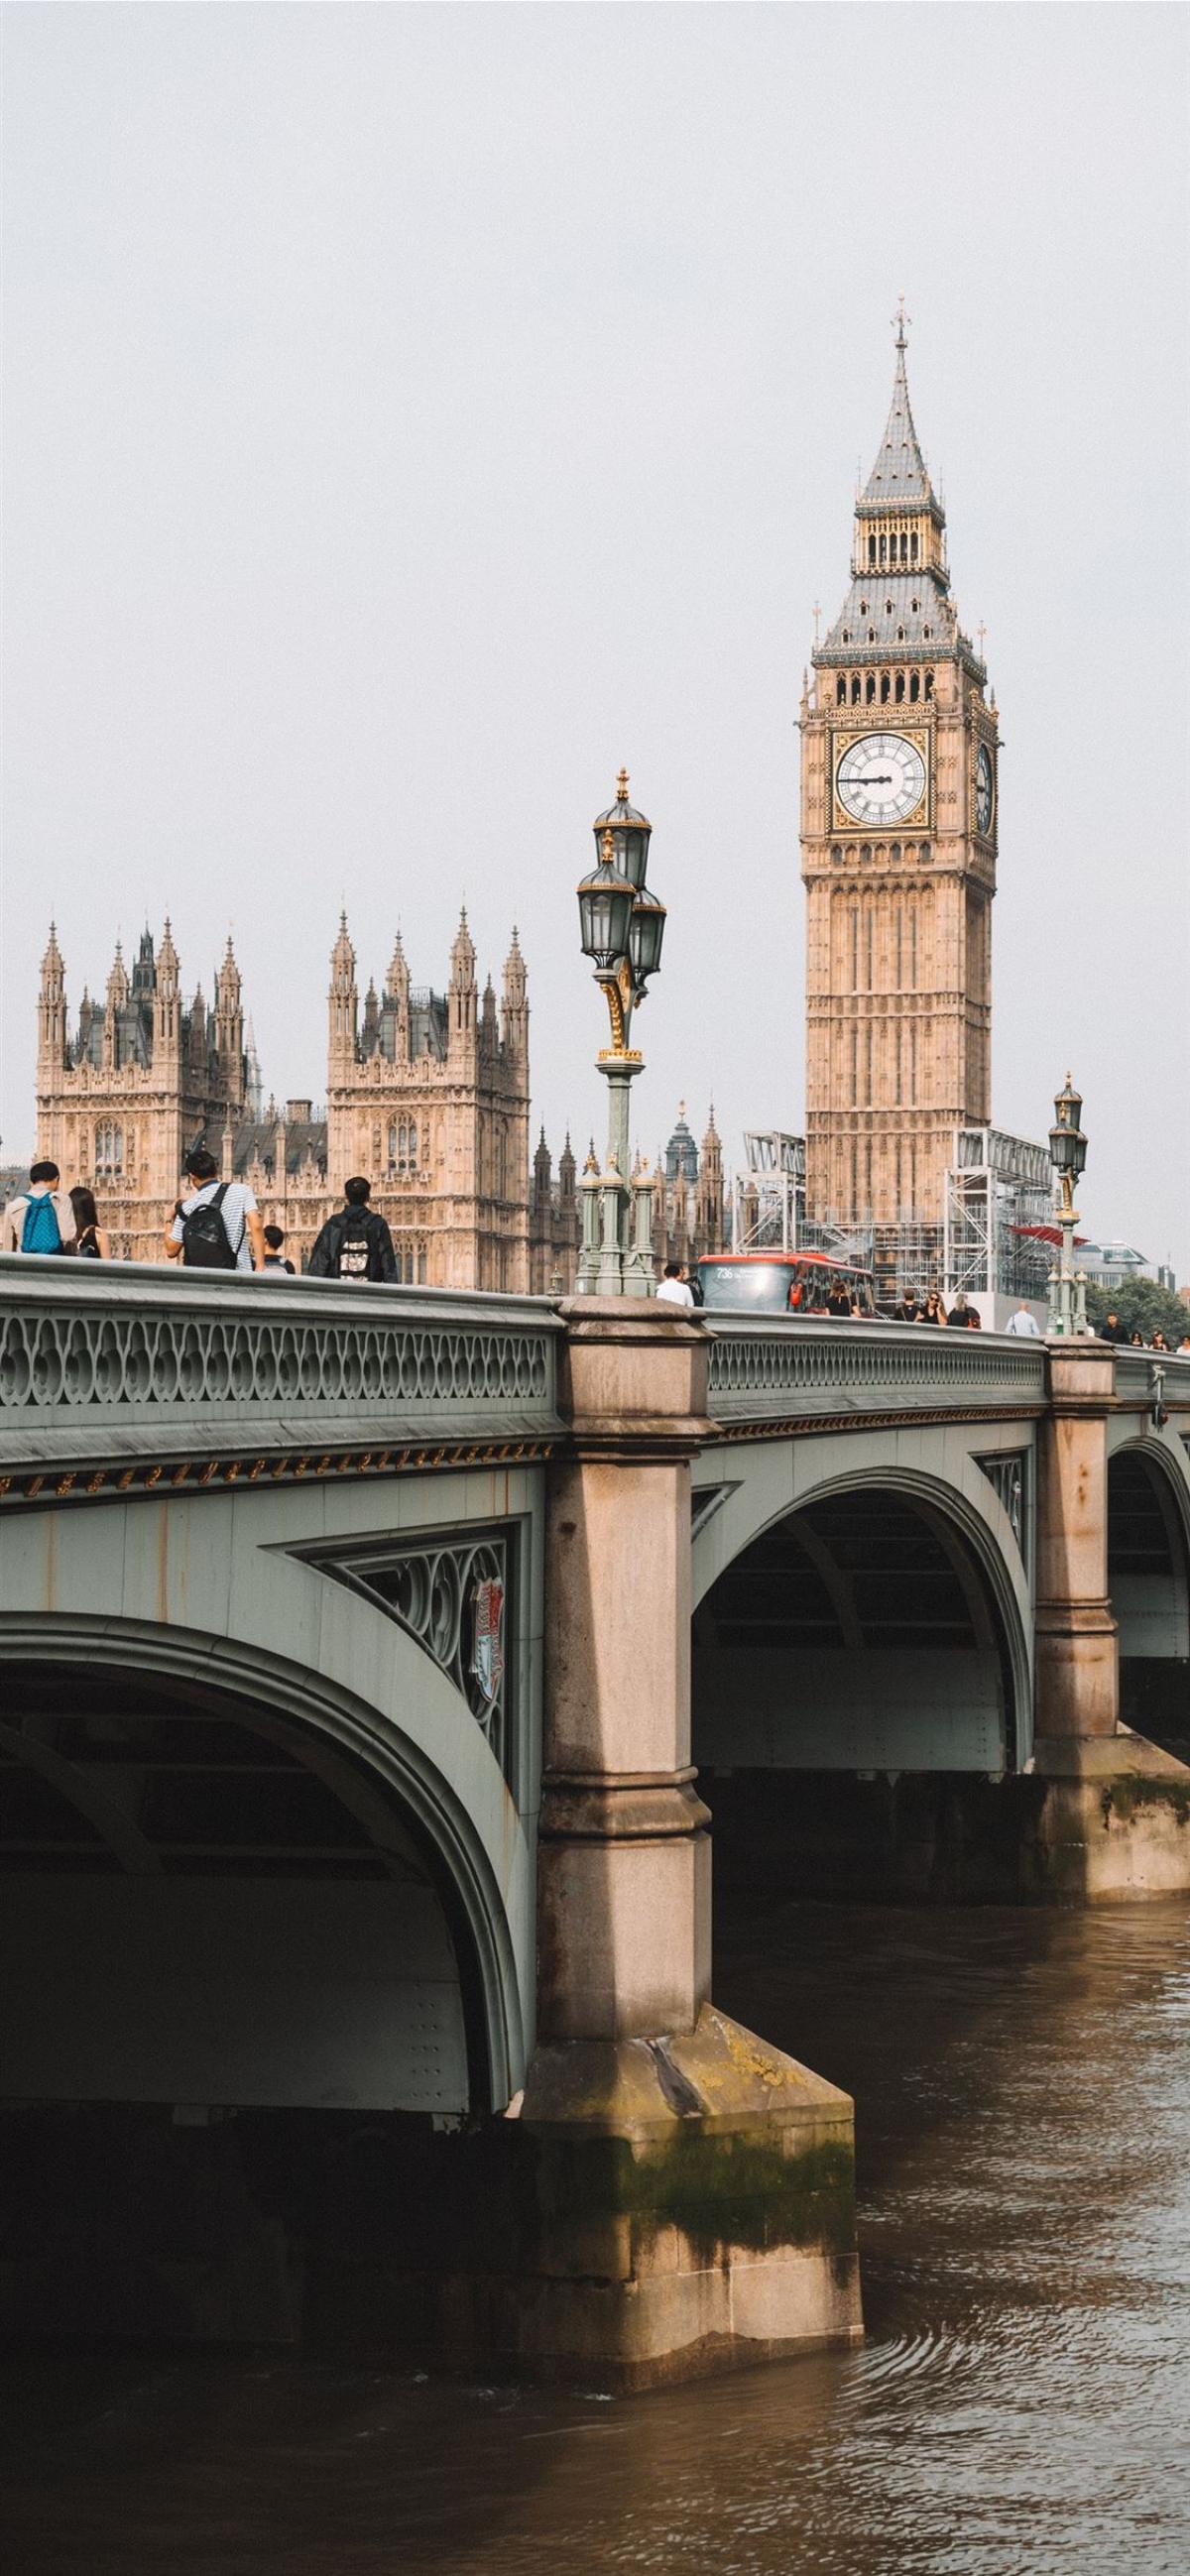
(1144, 1378)
(769, 1372)
(113, 1377)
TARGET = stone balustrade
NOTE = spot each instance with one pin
(131, 1372)
(767, 1370)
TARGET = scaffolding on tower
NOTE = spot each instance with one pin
(997, 1214)
(768, 1204)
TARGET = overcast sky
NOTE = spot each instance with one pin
(412, 413)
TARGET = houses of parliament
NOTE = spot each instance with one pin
(428, 1092)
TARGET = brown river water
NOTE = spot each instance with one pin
(1021, 2406)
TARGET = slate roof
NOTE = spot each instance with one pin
(429, 1026)
(900, 472)
(256, 1140)
(879, 612)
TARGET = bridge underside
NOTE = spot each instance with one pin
(1150, 1595)
(202, 1905)
(853, 1635)
(238, 2000)
(854, 1713)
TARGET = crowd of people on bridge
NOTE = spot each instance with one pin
(215, 1225)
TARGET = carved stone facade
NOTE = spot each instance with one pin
(427, 1093)
(688, 1202)
(898, 843)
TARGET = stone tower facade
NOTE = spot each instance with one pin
(427, 1093)
(898, 843)
(430, 1097)
(142, 1078)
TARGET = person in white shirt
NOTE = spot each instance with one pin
(673, 1290)
(243, 1225)
(1024, 1322)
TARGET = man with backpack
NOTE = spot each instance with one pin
(355, 1242)
(218, 1225)
(42, 1218)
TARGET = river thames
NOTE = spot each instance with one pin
(1022, 2085)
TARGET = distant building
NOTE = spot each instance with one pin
(688, 1204)
(1111, 1265)
(427, 1093)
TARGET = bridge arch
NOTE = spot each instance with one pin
(876, 1619)
(360, 1890)
(1148, 1581)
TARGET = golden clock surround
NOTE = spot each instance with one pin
(841, 739)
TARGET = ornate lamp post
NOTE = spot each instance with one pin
(1068, 1153)
(622, 925)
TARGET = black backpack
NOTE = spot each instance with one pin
(205, 1241)
(354, 1254)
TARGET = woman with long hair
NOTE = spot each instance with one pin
(92, 1242)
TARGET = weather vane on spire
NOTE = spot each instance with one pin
(901, 320)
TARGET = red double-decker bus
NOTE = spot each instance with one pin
(786, 1283)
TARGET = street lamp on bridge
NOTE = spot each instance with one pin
(1068, 1153)
(622, 925)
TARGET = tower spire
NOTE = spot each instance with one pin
(900, 472)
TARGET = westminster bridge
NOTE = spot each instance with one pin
(362, 1650)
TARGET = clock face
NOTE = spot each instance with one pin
(880, 778)
(984, 789)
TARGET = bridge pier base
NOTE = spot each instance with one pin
(1115, 1819)
(690, 2191)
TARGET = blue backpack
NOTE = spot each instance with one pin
(40, 1231)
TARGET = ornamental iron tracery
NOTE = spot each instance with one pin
(452, 1595)
(1008, 1474)
(59, 1356)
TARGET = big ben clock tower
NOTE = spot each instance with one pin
(898, 840)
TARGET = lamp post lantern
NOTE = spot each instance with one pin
(622, 925)
(1068, 1154)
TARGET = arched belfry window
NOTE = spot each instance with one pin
(884, 688)
(855, 690)
(913, 547)
(929, 684)
(869, 689)
(840, 691)
(900, 686)
(884, 549)
(871, 550)
(914, 686)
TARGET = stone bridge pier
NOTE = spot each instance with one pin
(1116, 1816)
(694, 2185)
